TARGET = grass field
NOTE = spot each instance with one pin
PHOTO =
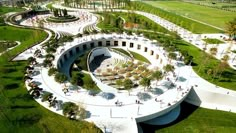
(197, 120)
(218, 4)
(4, 10)
(18, 111)
(212, 16)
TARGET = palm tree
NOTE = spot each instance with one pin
(146, 82)
(157, 75)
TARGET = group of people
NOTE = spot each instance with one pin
(65, 90)
(118, 103)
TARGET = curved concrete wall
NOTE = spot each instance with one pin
(97, 52)
(143, 47)
(212, 100)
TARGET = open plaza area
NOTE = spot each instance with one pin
(117, 66)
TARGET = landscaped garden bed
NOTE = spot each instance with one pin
(62, 19)
(4, 45)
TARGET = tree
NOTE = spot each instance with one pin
(60, 77)
(169, 68)
(146, 82)
(222, 66)
(31, 60)
(47, 63)
(128, 84)
(213, 51)
(231, 28)
(64, 12)
(172, 56)
(70, 109)
(119, 83)
(52, 71)
(225, 58)
(157, 75)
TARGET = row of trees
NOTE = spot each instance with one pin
(128, 84)
(105, 4)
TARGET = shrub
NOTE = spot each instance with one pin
(52, 71)
(60, 77)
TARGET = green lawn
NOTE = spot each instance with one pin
(218, 4)
(87, 81)
(191, 25)
(81, 62)
(122, 51)
(4, 10)
(18, 111)
(140, 57)
(197, 120)
(208, 15)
